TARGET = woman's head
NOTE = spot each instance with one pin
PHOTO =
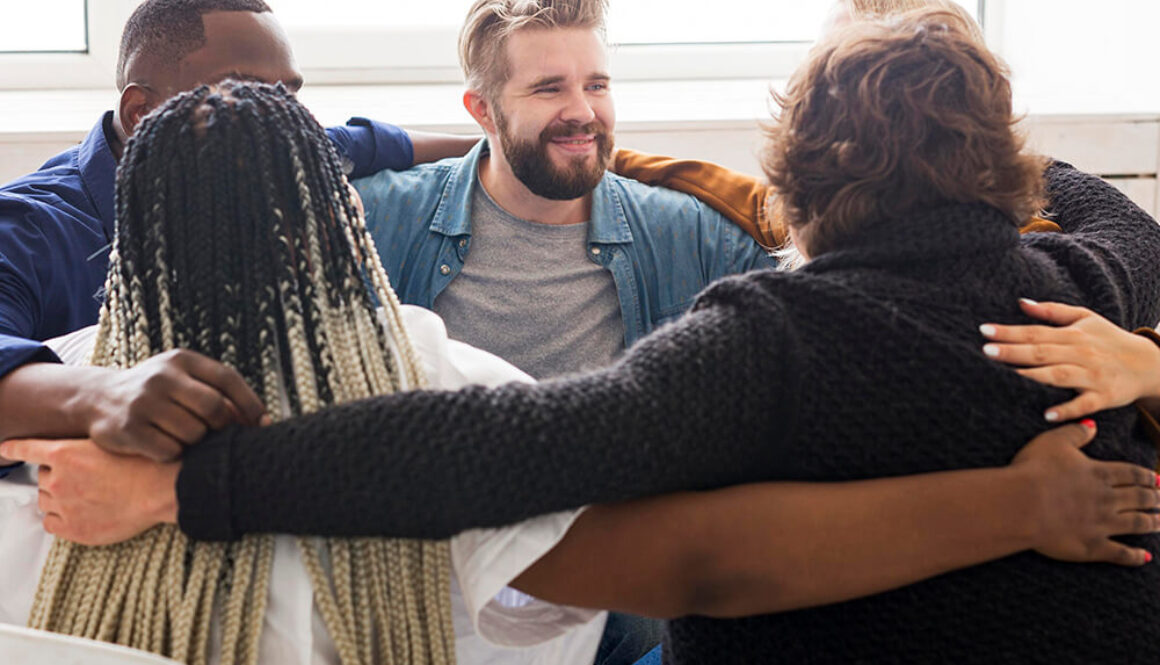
(893, 116)
(237, 237)
(237, 234)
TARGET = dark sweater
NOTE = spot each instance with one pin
(866, 363)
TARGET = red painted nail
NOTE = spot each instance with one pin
(1158, 480)
(1088, 423)
(1147, 557)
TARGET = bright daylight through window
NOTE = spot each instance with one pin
(44, 26)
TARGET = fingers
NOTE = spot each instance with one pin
(33, 451)
(1132, 500)
(1077, 435)
(1109, 551)
(206, 403)
(1084, 405)
(1123, 474)
(1032, 355)
(179, 424)
(228, 382)
(1028, 334)
(1057, 313)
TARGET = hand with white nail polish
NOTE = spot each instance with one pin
(1106, 365)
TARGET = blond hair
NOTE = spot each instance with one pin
(861, 10)
(484, 36)
(237, 238)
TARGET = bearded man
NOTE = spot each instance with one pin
(527, 246)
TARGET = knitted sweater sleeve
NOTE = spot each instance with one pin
(1110, 242)
(671, 415)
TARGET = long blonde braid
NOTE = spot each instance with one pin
(237, 239)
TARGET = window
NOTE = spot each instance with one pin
(73, 43)
(46, 26)
(370, 40)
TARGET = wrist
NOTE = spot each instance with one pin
(165, 494)
(1151, 367)
(80, 407)
(1023, 504)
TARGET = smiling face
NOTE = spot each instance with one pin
(554, 116)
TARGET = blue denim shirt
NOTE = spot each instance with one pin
(662, 247)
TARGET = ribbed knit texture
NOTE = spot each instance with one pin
(866, 363)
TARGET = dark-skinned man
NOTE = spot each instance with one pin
(56, 226)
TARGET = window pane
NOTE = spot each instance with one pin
(43, 26)
(629, 21)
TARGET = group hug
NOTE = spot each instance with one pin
(278, 394)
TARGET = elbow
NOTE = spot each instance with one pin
(719, 585)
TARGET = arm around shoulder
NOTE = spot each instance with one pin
(773, 547)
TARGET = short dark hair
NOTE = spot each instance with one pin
(172, 29)
(890, 118)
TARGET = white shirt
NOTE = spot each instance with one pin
(493, 624)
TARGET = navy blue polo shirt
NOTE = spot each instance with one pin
(56, 230)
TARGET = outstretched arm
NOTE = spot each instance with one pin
(771, 547)
(744, 550)
(153, 409)
(743, 199)
(740, 198)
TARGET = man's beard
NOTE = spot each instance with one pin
(532, 165)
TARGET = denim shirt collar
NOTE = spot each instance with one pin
(98, 169)
(609, 224)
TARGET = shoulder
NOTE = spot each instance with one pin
(757, 293)
(25, 213)
(44, 193)
(416, 179)
(653, 208)
(662, 204)
(667, 218)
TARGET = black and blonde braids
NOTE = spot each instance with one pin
(237, 238)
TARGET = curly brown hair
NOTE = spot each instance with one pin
(895, 116)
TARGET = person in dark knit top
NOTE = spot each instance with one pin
(901, 179)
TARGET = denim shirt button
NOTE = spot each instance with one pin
(595, 251)
(445, 269)
(463, 242)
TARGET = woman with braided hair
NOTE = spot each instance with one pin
(238, 238)
(721, 395)
(904, 184)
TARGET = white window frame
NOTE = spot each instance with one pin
(93, 69)
(332, 57)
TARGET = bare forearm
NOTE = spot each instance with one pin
(772, 547)
(46, 400)
(431, 147)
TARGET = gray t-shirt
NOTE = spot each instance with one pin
(529, 294)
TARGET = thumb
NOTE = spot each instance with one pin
(1076, 435)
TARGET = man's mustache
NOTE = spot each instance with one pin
(595, 128)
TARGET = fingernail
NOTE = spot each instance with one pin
(1158, 480)
(1051, 416)
(265, 420)
(1086, 422)
(991, 350)
(1028, 301)
(1147, 557)
(988, 330)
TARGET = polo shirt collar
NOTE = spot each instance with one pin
(98, 169)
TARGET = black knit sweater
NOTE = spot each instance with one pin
(866, 363)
